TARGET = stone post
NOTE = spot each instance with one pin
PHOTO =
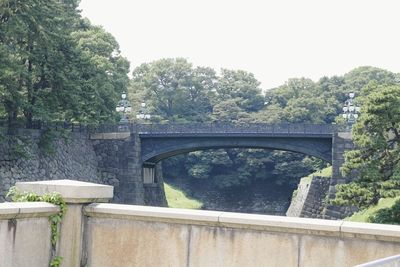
(341, 143)
(76, 194)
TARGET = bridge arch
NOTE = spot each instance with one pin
(158, 142)
(157, 149)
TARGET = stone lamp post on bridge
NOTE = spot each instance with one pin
(143, 113)
(123, 107)
(350, 112)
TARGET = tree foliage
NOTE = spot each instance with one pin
(376, 161)
(56, 66)
(177, 91)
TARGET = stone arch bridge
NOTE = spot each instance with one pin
(139, 147)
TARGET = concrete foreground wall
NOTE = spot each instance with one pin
(102, 234)
(25, 234)
(122, 235)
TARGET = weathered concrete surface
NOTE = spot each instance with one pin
(71, 236)
(75, 194)
(25, 234)
(141, 244)
(18, 210)
(122, 235)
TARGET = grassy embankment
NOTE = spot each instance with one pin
(362, 216)
(177, 199)
(326, 172)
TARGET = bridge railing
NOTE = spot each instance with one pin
(222, 128)
(189, 128)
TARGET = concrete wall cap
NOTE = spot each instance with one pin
(8, 208)
(373, 229)
(280, 222)
(116, 210)
(234, 220)
(71, 190)
(16, 210)
(247, 221)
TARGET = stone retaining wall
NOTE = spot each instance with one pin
(310, 197)
(111, 159)
(73, 157)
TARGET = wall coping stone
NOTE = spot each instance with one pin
(341, 229)
(148, 213)
(72, 191)
(385, 232)
(18, 210)
(281, 223)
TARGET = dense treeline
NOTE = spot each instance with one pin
(55, 65)
(176, 91)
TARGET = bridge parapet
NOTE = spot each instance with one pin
(229, 128)
(191, 128)
(282, 129)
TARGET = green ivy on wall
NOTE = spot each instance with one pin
(55, 220)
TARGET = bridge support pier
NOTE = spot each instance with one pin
(153, 183)
(341, 143)
(119, 165)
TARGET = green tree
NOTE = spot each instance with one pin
(35, 35)
(228, 111)
(376, 161)
(359, 77)
(241, 86)
(55, 65)
(102, 74)
(176, 90)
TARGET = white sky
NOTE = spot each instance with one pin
(274, 39)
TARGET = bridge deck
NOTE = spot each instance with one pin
(215, 129)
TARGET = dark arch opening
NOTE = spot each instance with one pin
(264, 195)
